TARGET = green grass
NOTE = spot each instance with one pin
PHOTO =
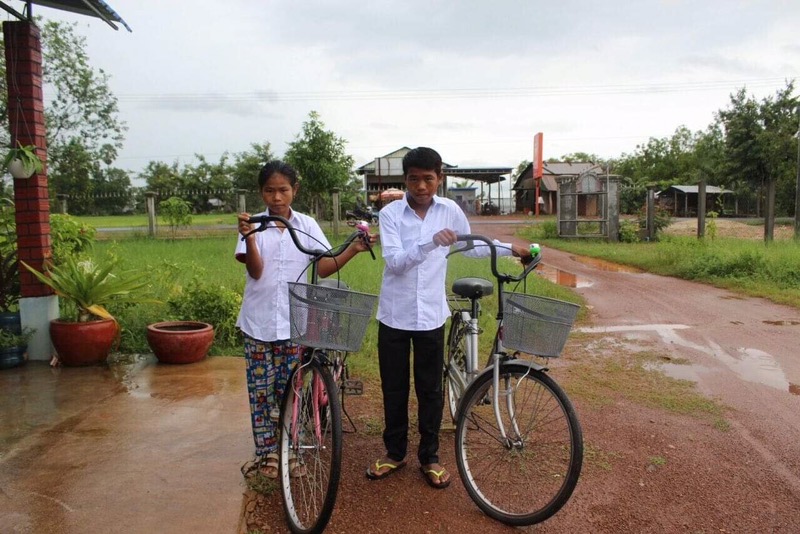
(746, 266)
(173, 263)
(140, 220)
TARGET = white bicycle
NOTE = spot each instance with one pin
(519, 446)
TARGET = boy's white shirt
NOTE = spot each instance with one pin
(264, 314)
(413, 295)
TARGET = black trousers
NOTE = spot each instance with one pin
(394, 349)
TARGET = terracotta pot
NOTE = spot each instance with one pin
(83, 343)
(180, 341)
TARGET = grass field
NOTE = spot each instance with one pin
(174, 263)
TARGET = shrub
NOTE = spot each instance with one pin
(549, 229)
(628, 231)
(209, 303)
(176, 212)
(70, 238)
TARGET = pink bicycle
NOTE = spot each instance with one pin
(329, 320)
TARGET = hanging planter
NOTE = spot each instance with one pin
(23, 162)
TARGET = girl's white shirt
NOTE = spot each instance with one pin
(264, 314)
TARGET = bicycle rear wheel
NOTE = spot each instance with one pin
(311, 448)
(528, 476)
(454, 376)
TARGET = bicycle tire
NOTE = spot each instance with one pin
(529, 480)
(309, 499)
(455, 361)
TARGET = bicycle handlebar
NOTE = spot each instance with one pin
(361, 232)
(501, 277)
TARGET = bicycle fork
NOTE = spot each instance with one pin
(318, 399)
(508, 393)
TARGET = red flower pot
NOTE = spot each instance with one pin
(83, 343)
(180, 341)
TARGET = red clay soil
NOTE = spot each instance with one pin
(645, 469)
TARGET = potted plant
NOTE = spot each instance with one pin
(22, 162)
(13, 348)
(86, 332)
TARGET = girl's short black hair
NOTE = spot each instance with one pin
(280, 167)
(422, 158)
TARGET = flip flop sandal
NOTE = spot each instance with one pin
(373, 470)
(438, 484)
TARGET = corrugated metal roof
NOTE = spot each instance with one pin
(694, 189)
(91, 8)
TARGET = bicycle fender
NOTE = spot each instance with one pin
(525, 363)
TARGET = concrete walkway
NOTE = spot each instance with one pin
(134, 446)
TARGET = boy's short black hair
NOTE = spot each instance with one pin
(422, 158)
(280, 167)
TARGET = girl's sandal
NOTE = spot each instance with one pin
(270, 468)
(296, 467)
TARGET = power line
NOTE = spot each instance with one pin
(650, 88)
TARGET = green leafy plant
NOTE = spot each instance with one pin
(70, 237)
(90, 287)
(9, 339)
(209, 303)
(28, 160)
(9, 264)
(177, 213)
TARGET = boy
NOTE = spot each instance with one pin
(416, 233)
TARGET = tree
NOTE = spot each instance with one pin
(759, 145)
(244, 173)
(176, 212)
(319, 157)
(81, 116)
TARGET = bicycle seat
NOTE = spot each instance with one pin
(472, 288)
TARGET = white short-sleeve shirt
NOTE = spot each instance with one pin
(265, 307)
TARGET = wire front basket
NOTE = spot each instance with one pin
(329, 318)
(536, 325)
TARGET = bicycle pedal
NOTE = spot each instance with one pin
(353, 387)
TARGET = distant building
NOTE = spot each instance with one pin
(682, 200)
(525, 185)
(386, 172)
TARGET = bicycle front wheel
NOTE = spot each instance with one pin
(530, 474)
(311, 448)
(454, 376)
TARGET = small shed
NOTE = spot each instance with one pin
(682, 200)
(552, 171)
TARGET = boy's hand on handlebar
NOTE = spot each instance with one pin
(523, 253)
(445, 238)
(365, 243)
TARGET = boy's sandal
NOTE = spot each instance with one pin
(434, 478)
(374, 470)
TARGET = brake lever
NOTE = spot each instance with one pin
(469, 246)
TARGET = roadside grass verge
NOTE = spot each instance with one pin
(749, 267)
(602, 370)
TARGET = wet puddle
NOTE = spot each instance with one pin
(562, 278)
(752, 365)
(604, 265)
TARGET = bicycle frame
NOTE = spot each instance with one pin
(498, 354)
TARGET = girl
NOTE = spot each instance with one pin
(272, 260)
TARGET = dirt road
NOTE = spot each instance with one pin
(646, 469)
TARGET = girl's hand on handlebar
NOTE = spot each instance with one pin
(244, 226)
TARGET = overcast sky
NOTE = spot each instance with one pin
(473, 79)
